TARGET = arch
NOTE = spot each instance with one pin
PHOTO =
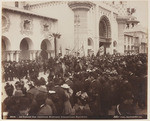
(125, 47)
(45, 46)
(114, 43)
(5, 43)
(105, 33)
(26, 42)
(128, 47)
(90, 42)
(104, 27)
(26, 45)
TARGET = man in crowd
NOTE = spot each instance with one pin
(97, 84)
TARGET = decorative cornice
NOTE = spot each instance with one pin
(45, 4)
(49, 24)
(122, 19)
(80, 5)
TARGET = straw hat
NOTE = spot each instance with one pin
(65, 86)
(51, 91)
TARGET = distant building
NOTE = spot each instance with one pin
(44, 29)
(135, 37)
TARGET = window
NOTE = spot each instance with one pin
(114, 43)
(127, 26)
(114, 51)
(90, 42)
(16, 4)
(124, 47)
(128, 47)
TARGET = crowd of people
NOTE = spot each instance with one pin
(82, 86)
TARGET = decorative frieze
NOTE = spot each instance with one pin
(46, 28)
(5, 22)
(46, 4)
(26, 24)
(103, 11)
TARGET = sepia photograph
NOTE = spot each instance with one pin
(74, 59)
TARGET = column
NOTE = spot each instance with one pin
(38, 53)
(121, 25)
(30, 55)
(8, 55)
(11, 55)
(33, 54)
(17, 55)
(49, 53)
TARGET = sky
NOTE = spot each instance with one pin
(141, 13)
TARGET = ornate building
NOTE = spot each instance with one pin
(135, 37)
(33, 29)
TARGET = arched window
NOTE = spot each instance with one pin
(124, 47)
(90, 42)
(128, 47)
(17, 4)
(104, 27)
(114, 43)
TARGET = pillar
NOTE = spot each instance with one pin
(49, 53)
(38, 53)
(121, 26)
(80, 9)
(17, 55)
(11, 55)
(30, 55)
(33, 54)
(7, 55)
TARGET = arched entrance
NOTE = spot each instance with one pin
(5, 47)
(45, 47)
(25, 46)
(104, 33)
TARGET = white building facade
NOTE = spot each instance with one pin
(135, 37)
(33, 29)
